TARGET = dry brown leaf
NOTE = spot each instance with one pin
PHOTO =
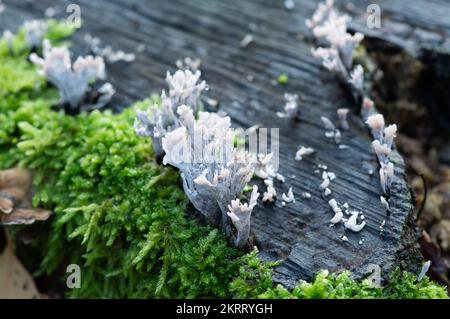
(15, 177)
(408, 145)
(25, 216)
(430, 251)
(15, 281)
(16, 198)
(440, 234)
(432, 211)
(421, 167)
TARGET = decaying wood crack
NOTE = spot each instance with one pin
(15, 199)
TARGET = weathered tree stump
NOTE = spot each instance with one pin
(242, 79)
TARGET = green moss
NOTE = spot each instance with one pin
(122, 218)
(255, 281)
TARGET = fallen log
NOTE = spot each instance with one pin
(244, 79)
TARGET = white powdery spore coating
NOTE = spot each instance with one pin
(185, 89)
(213, 172)
(331, 60)
(382, 145)
(289, 198)
(337, 211)
(280, 178)
(306, 195)
(367, 108)
(270, 194)
(426, 266)
(72, 82)
(321, 14)
(325, 183)
(159, 120)
(35, 31)
(330, 130)
(303, 151)
(352, 223)
(384, 202)
(290, 109)
(342, 118)
(382, 151)
(357, 78)
(327, 23)
(390, 133)
(376, 124)
(386, 176)
(264, 168)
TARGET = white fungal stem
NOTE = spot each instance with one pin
(270, 194)
(382, 145)
(342, 119)
(426, 266)
(328, 24)
(72, 81)
(385, 203)
(240, 214)
(337, 211)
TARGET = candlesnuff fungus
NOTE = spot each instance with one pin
(337, 211)
(328, 24)
(331, 131)
(184, 89)
(382, 145)
(157, 121)
(290, 109)
(367, 108)
(35, 31)
(289, 198)
(72, 81)
(240, 217)
(303, 151)
(352, 223)
(342, 118)
(357, 78)
(264, 168)
(213, 171)
(270, 194)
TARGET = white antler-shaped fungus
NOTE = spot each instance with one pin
(72, 81)
(239, 214)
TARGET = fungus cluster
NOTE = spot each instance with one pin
(35, 31)
(110, 55)
(382, 145)
(214, 171)
(290, 109)
(327, 24)
(72, 80)
(158, 120)
(351, 223)
(330, 27)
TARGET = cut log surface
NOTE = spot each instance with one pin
(244, 80)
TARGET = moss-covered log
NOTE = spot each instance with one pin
(244, 80)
